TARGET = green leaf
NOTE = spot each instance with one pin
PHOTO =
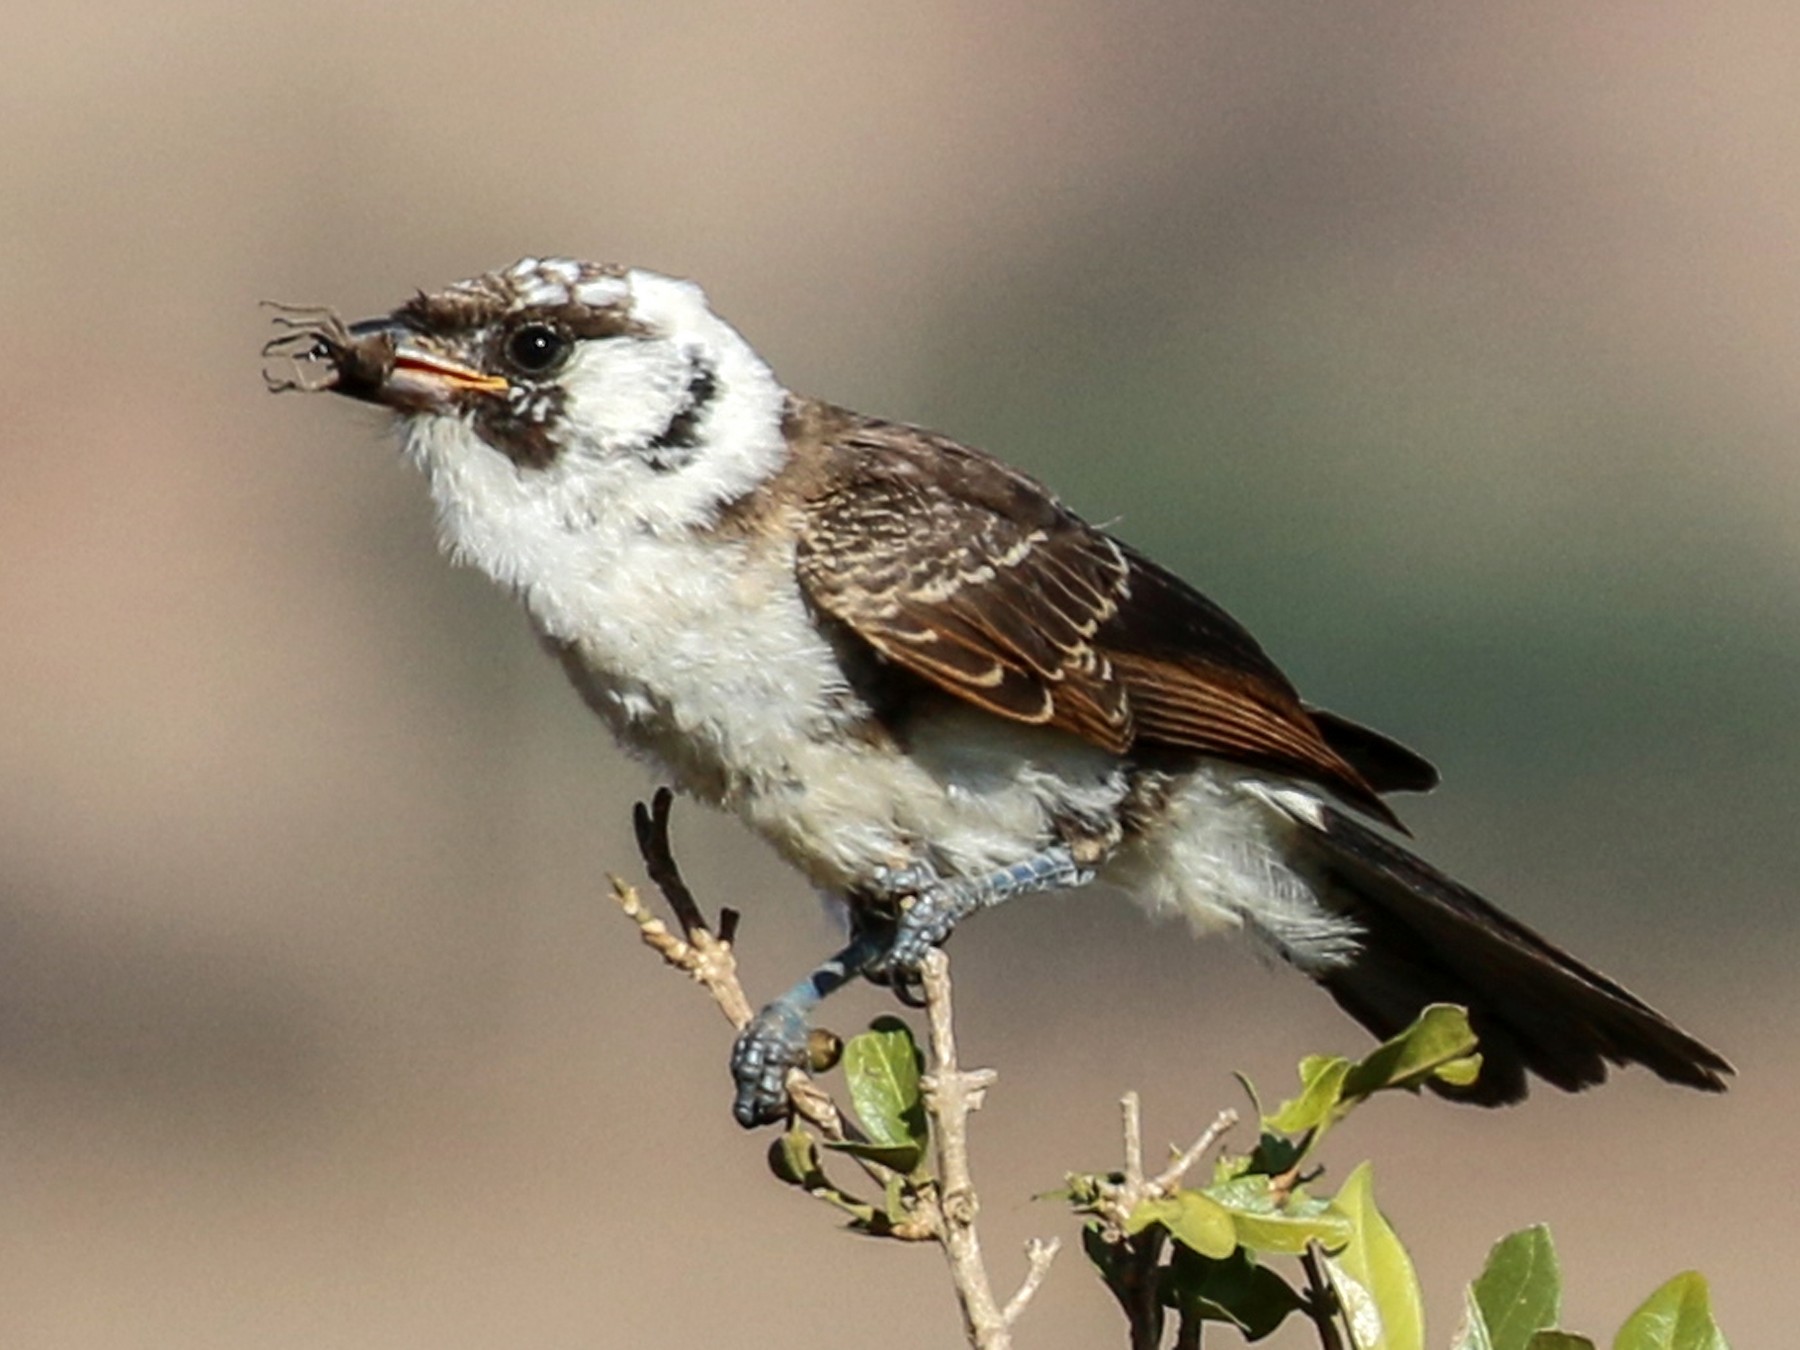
(1439, 1043)
(1676, 1317)
(1236, 1290)
(1378, 1263)
(1083, 1189)
(1356, 1306)
(1250, 1092)
(1558, 1340)
(1520, 1289)
(1193, 1219)
(1473, 1334)
(1266, 1222)
(882, 1067)
(794, 1158)
(1321, 1084)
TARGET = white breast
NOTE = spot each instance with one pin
(700, 654)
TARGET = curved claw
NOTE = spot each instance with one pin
(925, 922)
(773, 1043)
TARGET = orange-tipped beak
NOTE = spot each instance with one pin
(418, 368)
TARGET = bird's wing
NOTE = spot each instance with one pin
(973, 577)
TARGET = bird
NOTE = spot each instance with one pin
(930, 685)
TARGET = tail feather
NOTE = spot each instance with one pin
(1534, 1007)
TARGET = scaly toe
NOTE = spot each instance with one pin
(773, 1043)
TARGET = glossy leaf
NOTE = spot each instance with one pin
(1520, 1289)
(1193, 1219)
(1439, 1043)
(1676, 1317)
(1321, 1085)
(1379, 1265)
(1266, 1222)
(882, 1067)
(1473, 1334)
(1558, 1340)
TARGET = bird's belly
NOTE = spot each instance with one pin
(733, 692)
(967, 795)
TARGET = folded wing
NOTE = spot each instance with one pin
(974, 578)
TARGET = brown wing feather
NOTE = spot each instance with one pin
(974, 578)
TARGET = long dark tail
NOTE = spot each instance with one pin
(1534, 1007)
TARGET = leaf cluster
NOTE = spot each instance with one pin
(883, 1069)
(1516, 1303)
(1200, 1255)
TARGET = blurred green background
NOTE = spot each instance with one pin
(1451, 347)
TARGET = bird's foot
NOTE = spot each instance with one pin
(772, 1043)
(928, 907)
(925, 920)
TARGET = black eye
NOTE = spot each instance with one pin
(536, 349)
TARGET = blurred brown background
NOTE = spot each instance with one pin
(1452, 347)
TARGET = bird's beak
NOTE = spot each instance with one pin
(382, 361)
(419, 375)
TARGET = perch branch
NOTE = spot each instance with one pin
(951, 1094)
(706, 957)
(948, 1210)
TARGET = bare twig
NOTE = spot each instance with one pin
(707, 957)
(1118, 1199)
(1039, 1253)
(701, 955)
(948, 1208)
(951, 1094)
(1135, 1282)
(1131, 1109)
(1179, 1166)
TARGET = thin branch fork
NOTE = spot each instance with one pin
(706, 956)
(950, 1092)
(1119, 1199)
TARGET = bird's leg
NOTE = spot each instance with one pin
(775, 1039)
(903, 916)
(928, 907)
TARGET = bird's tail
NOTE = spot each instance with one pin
(1534, 1007)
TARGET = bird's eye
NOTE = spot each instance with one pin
(536, 349)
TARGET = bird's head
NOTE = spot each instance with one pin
(582, 391)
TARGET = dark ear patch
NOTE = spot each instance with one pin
(675, 446)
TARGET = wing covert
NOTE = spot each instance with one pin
(972, 577)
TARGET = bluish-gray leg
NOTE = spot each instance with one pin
(930, 908)
(936, 904)
(775, 1040)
